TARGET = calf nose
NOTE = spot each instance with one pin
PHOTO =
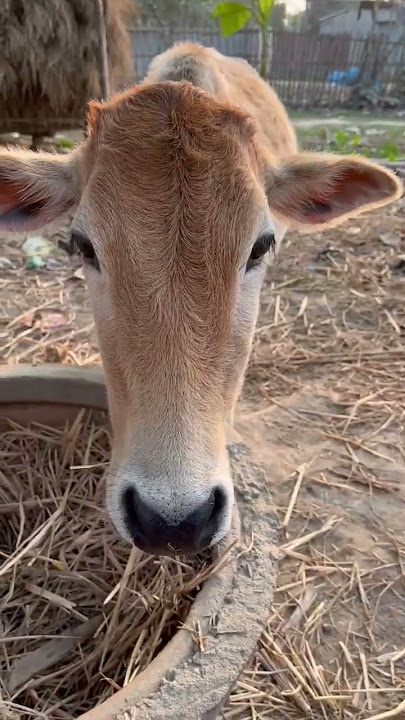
(155, 535)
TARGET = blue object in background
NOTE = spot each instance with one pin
(343, 77)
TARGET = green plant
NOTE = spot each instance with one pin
(233, 16)
(341, 140)
(64, 143)
(346, 142)
(389, 151)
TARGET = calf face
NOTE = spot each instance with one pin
(177, 213)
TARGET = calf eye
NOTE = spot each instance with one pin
(81, 244)
(263, 244)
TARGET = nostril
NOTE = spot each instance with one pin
(130, 513)
(219, 502)
(210, 527)
(128, 497)
(138, 516)
(207, 514)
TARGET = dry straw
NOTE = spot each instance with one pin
(81, 615)
(51, 60)
(325, 402)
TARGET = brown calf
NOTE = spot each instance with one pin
(182, 193)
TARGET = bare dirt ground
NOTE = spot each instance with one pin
(323, 409)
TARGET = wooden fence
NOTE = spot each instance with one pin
(307, 70)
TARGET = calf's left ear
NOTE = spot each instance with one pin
(324, 190)
(36, 187)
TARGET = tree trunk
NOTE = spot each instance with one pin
(264, 59)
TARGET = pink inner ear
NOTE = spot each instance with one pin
(316, 211)
(9, 198)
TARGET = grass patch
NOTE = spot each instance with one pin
(64, 143)
(387, 142)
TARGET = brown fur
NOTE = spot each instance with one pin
(182, 155)
(233, 80)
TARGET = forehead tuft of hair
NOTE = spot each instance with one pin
(178, 105)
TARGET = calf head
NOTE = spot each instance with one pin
(177, 212)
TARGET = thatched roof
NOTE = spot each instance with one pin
(51, 60)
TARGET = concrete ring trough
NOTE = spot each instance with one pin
(232, 607)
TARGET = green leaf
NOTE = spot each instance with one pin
(265, 7)
(232, 16)
(389, 151)
(342, 139)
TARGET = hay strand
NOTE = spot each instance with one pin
(60, 562)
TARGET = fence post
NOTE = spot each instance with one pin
(104, 69)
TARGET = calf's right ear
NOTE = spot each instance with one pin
(36, 187)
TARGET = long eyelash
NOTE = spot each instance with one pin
(267, 243)
(67, 247)
(71, 246)
(82, 247)
(262, 246)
